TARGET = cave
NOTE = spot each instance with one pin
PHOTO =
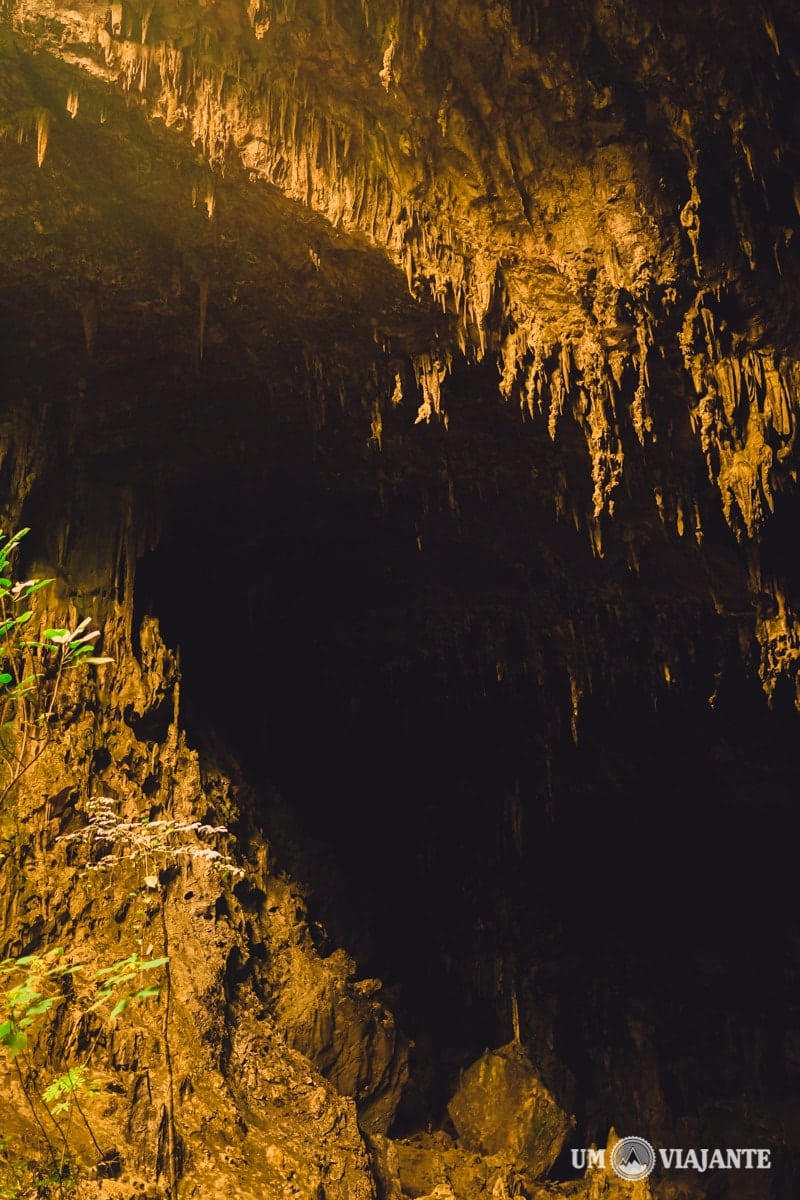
(405, 394)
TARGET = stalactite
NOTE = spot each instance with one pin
(359, 166)
(115, 17)
(509, 360)
(576, 695)
(302, 150)
(203, 314)
(430, 372)
(89, 317)
(769, 26)
(376, 425)
(210, 200)
(42, 134)
(386, 73)
(146, 14)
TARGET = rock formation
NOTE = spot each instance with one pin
(409, 393)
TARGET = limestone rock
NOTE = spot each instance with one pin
(338, 1024)
(432, 1166)
(502, 1107)
(233, 1109)
(385, 1165)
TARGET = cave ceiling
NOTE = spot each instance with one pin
(547, 250)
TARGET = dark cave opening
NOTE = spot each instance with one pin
(457, 839)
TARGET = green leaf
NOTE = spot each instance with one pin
(5, 678)
(100, 1001)
(118, 1008)
(39, 583)
(78, 652)
(15, 1042)
(117, 966)
(146, 993)
(154, 962)
(23, 618)
(126, 977)
(63, 1085)
(43, 1006)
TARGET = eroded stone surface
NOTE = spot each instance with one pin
(201, 1085)
(594, 198)
(502, 1107)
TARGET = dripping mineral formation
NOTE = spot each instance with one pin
(408, 391)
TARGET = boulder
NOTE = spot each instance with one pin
(502, 1108)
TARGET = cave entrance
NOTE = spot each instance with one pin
(458, 841)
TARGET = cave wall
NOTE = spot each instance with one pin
(598, 200)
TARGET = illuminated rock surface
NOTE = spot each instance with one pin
(501, 1107)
